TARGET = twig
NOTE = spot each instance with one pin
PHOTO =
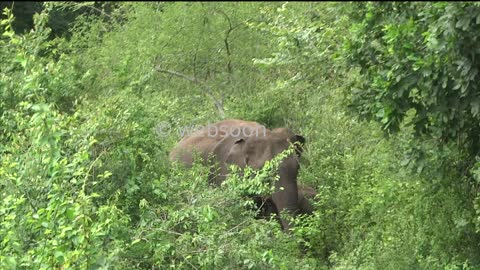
(208, 90)
(237, 226)
(174, 35)
(89, 169)
(102, 12)
(225, 40)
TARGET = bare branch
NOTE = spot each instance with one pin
(178, 74)
(102, 12)
(231, 27)
(208, 89)
(225, 41)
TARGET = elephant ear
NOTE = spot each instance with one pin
(227, 151)
(235, 154)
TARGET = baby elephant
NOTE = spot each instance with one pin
(305, 194)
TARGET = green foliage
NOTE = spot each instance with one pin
(200, 226)
(48, 218)
(419, 57)
(418, 69)
(23, 14)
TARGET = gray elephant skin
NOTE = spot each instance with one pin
(306, 194)
(246, 143)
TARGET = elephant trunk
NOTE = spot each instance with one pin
(285, 196)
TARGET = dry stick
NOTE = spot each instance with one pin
(102, 12)
(174, 35)
(227, 45)
(225, 40)
(208, 90)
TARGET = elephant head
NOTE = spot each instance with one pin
(305, 194)
(250, 144)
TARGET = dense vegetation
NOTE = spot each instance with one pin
(386, 95)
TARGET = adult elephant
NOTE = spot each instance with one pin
(246, 143)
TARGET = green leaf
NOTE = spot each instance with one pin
(70, 212)
(475, 104)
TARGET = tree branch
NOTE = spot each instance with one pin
(231, 27)
(208, 90)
